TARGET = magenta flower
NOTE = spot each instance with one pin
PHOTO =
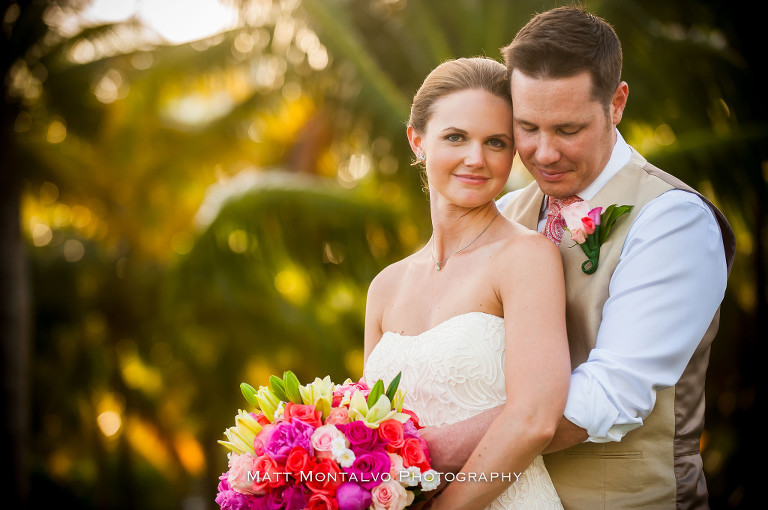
(369, 469)
(263, 438)
(410, 430)
(229, 499)
(360, 436)
(285, 498)
(594, 215)
(351, 496)
(286, 436)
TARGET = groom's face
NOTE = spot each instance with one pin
(563, 134)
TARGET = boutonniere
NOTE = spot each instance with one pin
(590, 228)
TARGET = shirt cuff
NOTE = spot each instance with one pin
(589, 406)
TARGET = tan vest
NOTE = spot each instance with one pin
(658, 464)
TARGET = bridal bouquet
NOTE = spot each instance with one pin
(324, 446)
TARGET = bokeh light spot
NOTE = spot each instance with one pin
(293, 286)
(109, 423)
(57, 131)
(238, 241)
(73, 250)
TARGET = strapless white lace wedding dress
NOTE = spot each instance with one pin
(453, 372)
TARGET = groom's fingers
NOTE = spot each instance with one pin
(442, 449)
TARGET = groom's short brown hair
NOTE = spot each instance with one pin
(564, 42)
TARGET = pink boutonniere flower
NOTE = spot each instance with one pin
(589, 228)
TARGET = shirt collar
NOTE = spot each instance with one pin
(620, 156)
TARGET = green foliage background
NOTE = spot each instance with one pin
(177, 219)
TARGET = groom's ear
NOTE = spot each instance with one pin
(619, 102)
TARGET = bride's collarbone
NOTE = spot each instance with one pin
(420, 305)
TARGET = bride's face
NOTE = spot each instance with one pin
(468, 147)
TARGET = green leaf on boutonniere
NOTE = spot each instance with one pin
(608, 218)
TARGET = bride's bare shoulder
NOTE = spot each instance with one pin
(523, 243)
(389, 278)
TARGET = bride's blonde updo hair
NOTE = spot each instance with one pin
(454, 76)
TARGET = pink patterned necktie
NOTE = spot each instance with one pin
(555, 222)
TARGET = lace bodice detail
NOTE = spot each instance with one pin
(452, 372)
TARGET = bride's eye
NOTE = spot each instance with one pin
(454, 137)
(497, 143)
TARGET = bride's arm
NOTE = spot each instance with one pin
(450, 446)
(374, 310)
(537, 369)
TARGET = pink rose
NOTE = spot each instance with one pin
(391, 495)
(578, 235)
(580, 220)
(396, 466)
(350, 388)
(263, 438)
(322, 440)
(338, 416)
(240, 467)
(573, 213)
(305, 413)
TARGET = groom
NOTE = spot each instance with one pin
(641, 326)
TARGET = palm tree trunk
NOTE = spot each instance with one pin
(14, 326)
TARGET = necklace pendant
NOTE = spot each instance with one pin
(437, 266)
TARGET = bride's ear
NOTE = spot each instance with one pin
(414, 139)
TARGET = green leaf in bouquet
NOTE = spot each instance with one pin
(278, 387)
(249, 392)
(392, 388)
(376, 392)
(291, 383)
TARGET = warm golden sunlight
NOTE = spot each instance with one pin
(177, 21)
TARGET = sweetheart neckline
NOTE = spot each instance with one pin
(442, 323)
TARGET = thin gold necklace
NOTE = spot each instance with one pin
(438, 265)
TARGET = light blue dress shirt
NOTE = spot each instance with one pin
(668, 284)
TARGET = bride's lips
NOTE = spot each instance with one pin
(471, 179)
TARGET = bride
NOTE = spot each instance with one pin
(475, 318)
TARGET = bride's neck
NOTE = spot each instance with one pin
(453, 227)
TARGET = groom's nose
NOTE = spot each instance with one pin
(547, 151)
